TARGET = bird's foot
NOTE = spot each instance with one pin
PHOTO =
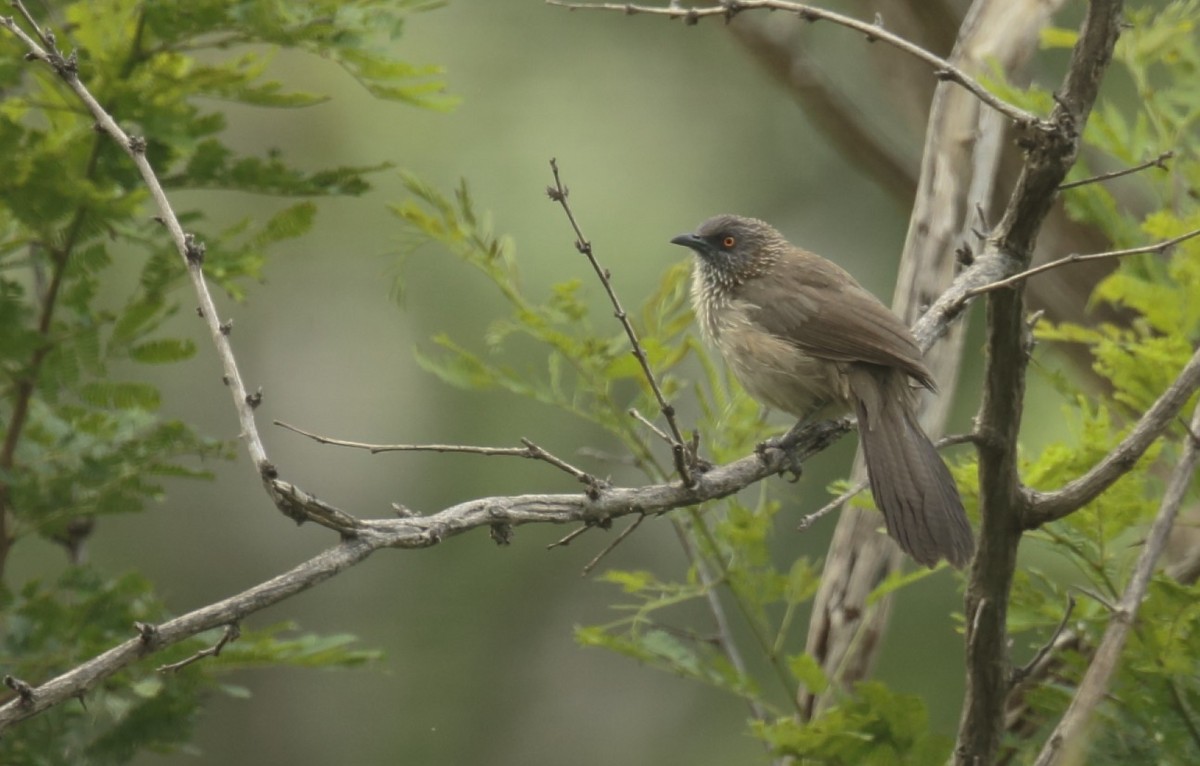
(793, 466)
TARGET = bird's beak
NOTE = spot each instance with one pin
(691, 241)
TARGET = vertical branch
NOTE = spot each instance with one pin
(1050, 153)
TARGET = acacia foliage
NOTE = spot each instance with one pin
(83, 436)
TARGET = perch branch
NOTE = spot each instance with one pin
(364, 537)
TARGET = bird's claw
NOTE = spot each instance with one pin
(792, 465)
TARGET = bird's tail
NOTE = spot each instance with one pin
(912, 487)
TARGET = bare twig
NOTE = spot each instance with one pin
(639, 417)
(1158, 162)
(530, 451)
(559, 193)
(1025, 671)
(942, 69)
(626, 532)
(808, 520)
(231, 633)
(569, 537)
(1157, 247)
(1067, 735)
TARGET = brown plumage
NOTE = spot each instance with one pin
(803, 336)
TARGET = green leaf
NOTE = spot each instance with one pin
(808, 672)
(121, 396)
(163, 351)
(899, 579)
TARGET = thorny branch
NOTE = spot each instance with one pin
(942, 69)
(684, 462)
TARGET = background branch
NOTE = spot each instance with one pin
(942, 69)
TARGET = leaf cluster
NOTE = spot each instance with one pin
(88, 282)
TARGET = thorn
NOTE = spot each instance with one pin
(147, 632)
(24, 691)
(193, 249)
(879, 23)
(501, 534)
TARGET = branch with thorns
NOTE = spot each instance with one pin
(684, 461)
(873, 30)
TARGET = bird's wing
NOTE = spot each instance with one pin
(818, 307)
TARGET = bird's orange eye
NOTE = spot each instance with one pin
(728, 242)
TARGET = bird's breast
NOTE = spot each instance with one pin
(772, 370)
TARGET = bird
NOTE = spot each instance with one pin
(803, 336)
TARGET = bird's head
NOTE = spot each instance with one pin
(731, 249)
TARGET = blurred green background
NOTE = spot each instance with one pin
(655, 126)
